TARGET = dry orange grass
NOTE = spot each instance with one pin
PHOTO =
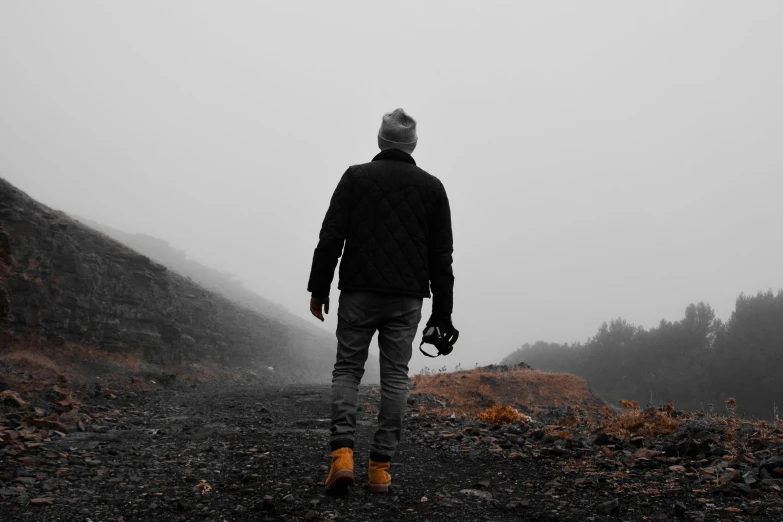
(502, 415)
(34, 365)
(29, 365)
(25, 370)
(470, 392)
(632, 421)
(68, 354)
(660, 422)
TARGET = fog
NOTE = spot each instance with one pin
(602, 159)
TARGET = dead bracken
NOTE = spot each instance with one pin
(502, 415)
(203, 487)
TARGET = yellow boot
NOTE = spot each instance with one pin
(341, 473)
(380, 480)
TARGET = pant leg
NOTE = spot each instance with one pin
(356, 323)
(395, 340)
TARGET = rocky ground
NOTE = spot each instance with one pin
(244, 452)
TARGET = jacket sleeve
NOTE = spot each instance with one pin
(331, 239)
(440, 250)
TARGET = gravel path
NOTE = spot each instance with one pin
(241, 453)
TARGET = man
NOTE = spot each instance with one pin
(395, 222)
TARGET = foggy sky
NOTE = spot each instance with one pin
(602, 159)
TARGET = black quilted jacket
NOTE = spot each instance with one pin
(395, 222)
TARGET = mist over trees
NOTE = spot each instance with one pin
(698, 362)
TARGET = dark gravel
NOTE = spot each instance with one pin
(262, 455)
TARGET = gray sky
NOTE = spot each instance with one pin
(602, 159)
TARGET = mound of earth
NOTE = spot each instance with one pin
(518, 386)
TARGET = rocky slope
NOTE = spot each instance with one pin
(62, 280)
(177, 260)
(224, 284)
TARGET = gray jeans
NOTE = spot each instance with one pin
(396, 319)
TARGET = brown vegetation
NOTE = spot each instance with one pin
(29, 366)
(632, 421)
(470, 392)
(502, 415)
(496, 397)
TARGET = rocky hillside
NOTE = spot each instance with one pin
(62, 280)
(226, 285)
(177, 260)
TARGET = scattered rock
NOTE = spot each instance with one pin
(517, 504)
(680, 509)
(610, 507)
(13, 398)
(486, 495)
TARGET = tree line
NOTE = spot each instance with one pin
(698, 362)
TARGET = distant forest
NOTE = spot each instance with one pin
(698, 362)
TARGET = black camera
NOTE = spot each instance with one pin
(443, 340)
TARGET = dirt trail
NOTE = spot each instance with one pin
(262, 455)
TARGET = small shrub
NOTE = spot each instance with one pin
(731, 405)
(502, 415)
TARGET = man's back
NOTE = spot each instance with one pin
(395, 222)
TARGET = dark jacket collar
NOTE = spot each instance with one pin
(395, 155)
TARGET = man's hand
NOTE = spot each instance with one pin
(316, 306)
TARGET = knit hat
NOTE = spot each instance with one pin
(398, 128)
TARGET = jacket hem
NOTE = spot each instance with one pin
(423, 295)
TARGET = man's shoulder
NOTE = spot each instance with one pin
(367, 169)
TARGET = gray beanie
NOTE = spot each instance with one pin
(398, 128)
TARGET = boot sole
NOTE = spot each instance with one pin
(379, 488)
(340, 483)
